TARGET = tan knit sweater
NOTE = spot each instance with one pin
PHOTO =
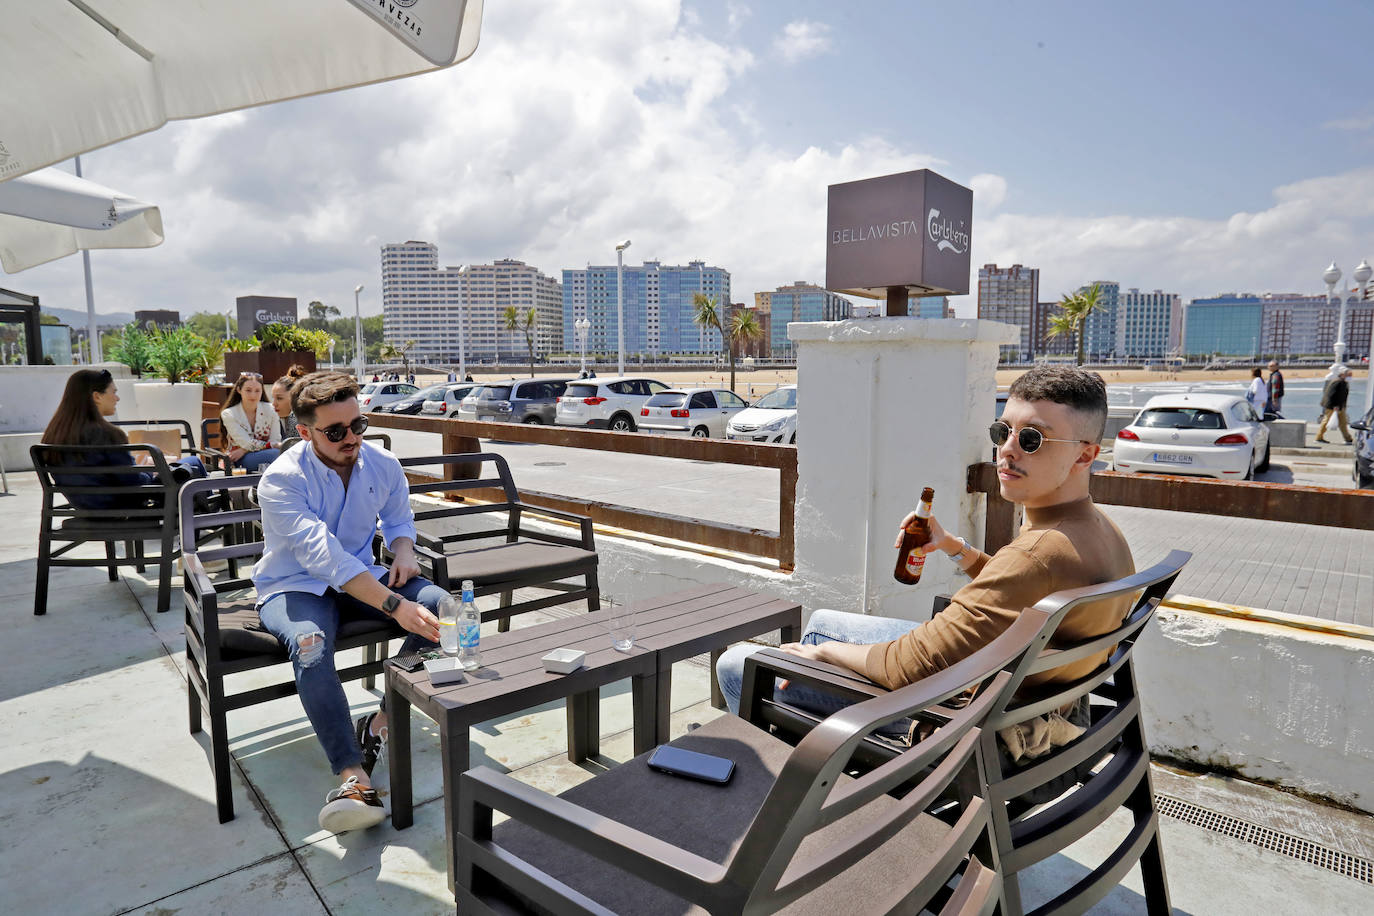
(1066, 546)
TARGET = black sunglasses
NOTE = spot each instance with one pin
(337, 432)
(1027, 437)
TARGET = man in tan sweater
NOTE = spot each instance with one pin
(1047, 441)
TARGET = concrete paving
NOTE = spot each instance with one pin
(109, 806)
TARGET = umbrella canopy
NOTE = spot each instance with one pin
(81, 74)
(50, 214)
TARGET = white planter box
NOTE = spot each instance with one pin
(165, 401)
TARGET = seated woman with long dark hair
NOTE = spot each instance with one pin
(251, 426)
(90, 396)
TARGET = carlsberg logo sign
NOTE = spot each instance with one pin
(945, 234)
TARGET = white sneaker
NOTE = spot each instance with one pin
(351, 807)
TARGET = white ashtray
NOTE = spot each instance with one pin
(563, 661)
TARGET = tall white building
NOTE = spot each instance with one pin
(426, 303)
(1149, 324)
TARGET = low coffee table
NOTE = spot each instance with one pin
(669, 628)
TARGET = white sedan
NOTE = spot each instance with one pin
(772, 418)
(701, 413)
(1206, 435)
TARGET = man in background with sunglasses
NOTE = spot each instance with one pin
(321, 504)
(1046, 443)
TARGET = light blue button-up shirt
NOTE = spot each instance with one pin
(319, 535)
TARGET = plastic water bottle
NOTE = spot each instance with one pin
(448, 625)
(469, 630)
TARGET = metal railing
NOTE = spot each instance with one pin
(460, 436)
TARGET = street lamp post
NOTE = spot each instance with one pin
(227, 333)
(358, 332)
(581, 327)
(620, 302)
(1362, 275)
(331, 353)
(1332, 276)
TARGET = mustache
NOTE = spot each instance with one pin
(1009, 466)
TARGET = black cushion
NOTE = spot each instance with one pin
(523, 561)
(710, 821)
(113, 528)
(242, 635)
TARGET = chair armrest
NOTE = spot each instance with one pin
(637, 852)
(196, 578)
(213, 459)
(811, 673)
(584, 522)
(429, 542)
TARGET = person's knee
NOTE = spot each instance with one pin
(310, 648)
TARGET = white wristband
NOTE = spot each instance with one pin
(958, 558)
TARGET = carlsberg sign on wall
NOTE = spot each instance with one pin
(909, 230)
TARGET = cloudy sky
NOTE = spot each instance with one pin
(1168, 144)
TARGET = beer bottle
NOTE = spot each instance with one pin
(909, 561)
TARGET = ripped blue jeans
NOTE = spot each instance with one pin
(306, 625)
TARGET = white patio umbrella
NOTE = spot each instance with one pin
(76, 75)
(49, 214)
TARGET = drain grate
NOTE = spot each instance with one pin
(1283, 843)
(549, 464)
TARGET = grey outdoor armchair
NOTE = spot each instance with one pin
(790, 833)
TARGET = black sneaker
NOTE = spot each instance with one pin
(371, 744)
(351, 807)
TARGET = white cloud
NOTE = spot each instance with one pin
(1358, 122)
(578, 125)
(802, 39)
(735, 15)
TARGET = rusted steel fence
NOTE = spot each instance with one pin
(463, 436)
(1274, 502)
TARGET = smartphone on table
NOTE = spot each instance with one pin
(692, 765)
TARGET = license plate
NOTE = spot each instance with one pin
(1172, 458)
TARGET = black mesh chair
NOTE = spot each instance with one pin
(138, 511)
(791, 831)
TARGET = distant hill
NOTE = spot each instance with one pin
(77, 319)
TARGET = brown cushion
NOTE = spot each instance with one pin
(710, 821)
(522, 561)
(242, 635)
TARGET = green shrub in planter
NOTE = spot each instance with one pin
(134, 349)
(176, 353)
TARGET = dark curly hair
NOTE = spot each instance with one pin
(317, 389)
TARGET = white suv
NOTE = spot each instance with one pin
(611, 403)
(772, 418)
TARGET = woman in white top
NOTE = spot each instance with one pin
(250, 425)
(1259, 392)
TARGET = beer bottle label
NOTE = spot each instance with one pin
(915, 562)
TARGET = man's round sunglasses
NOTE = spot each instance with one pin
(337, 432)
(1027, 437)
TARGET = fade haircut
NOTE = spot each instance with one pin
(1079, 389)
(317, 389)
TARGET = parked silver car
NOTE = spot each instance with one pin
(530, 400)
(701, 413)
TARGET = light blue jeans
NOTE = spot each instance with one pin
(296, 616)
(824, 626)
(256, 461)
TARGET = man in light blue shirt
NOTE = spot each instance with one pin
(321, 504)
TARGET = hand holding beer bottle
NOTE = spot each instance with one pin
(919, 535)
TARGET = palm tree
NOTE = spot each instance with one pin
(1074, 309)
(390, 352)
(708, 315)
(526, 323)
(744, 326)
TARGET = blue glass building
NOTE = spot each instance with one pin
(658, 307)
(1100, 335)
(802, 302)
(1228, 325)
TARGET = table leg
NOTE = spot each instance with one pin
(398, 756)
(453, 741)
(644, 695)
(584, 725)
(717, 695)
(790, 634)
(663, 703)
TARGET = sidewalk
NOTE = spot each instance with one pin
(108, 801)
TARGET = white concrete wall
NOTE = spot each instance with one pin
(899, 404)
(1271, 702)
(29, 394)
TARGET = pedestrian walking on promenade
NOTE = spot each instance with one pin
(1275, 387)
(1334, 396)
(1258, 392)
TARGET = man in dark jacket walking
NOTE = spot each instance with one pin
(1334, 396)
(1275, 388)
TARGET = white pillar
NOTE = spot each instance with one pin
(884, 409)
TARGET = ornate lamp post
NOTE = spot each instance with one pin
(581, 327)
(1362, 275)
(1331, 277)
(620, 302)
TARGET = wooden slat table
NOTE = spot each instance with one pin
(669, 628)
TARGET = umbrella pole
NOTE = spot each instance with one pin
(91, 330)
